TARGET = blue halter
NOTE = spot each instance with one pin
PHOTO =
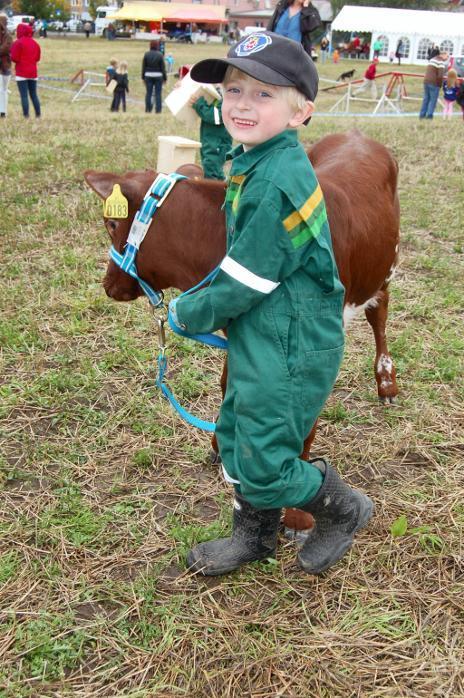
(152, 201)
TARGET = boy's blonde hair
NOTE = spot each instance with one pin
(451, 77)
(122, 68)
(296, 99)
(114, 62)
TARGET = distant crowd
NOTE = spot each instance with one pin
(24, 54)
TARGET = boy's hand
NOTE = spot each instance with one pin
(172, 313)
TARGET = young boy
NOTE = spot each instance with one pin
(215, 139)
(279, 296)
(122, 86)
(369, 80)
(110, 71)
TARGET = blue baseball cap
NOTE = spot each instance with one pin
(267, 57)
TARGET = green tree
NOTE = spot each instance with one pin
(92, 8)
(46, 9)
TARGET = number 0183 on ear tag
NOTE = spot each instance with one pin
(116, 205)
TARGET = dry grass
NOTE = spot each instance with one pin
(104, 490)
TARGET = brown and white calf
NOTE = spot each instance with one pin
(187, 237)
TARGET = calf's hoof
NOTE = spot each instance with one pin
(388, 400)
(215, 458)
(298, 525)
(297, 537)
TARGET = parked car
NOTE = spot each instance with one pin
(13, 22)
(75, 25)
(57, 25)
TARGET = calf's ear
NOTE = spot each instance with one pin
(101, 182)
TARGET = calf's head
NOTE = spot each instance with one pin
(117, 284)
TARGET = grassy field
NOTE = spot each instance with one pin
(103, 489)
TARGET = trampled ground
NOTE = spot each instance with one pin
(104, 489)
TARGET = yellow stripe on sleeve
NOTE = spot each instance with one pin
(237, 179)
(305, 212)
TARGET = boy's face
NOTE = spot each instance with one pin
(254, 112)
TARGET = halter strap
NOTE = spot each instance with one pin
(155, 196)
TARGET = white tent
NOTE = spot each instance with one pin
(417, 29)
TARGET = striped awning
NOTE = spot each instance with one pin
(170, 12)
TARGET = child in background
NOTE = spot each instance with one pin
(278, 293)
(450, 92)
(119, 94)
(336, 56)
(110, 72)
(369, 80)
(215, 139)
(169, 60)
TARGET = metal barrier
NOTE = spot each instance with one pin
(386, 105)
(88, 79)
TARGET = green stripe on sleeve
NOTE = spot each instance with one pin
(307, 232)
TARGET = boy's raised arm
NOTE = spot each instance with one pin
(261, 257)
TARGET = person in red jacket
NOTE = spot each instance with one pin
(369, 79)
(25, 53)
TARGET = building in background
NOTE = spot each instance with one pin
(236, 14)
(418, 30)
(244, 14)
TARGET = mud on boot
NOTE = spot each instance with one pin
(254, 537)
(339, 512)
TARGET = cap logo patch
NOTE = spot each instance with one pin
(252, 44)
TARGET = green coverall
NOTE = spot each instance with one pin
(279, 295)
(215, 140)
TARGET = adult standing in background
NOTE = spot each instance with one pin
(153, 74)
(325, 45)
(399, 51)
(433, 80)
(295, 19)
(25, 53)
(356, 45)
(87, 29)
(378, 46)
(5, 64)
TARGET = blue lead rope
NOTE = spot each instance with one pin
(186, 416)
(211, 339)
(153, 199)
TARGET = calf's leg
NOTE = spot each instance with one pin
(297, 523)
(385, 373)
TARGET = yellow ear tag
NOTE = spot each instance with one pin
(116, 205)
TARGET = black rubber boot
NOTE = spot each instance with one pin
(254, 537)
(339, 512)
